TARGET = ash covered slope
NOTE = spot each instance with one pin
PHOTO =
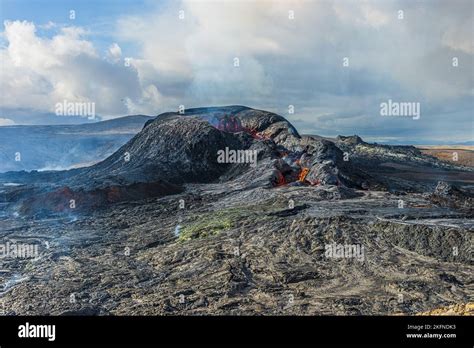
(182, 148)
(172, 148)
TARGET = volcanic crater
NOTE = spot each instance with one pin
(162, 227)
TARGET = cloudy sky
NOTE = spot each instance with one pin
(334, 61)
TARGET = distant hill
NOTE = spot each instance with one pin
(456, 154)
(64, 146)
(420, 143)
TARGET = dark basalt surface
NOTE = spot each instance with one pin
(160, 227)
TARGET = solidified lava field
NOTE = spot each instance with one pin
(313, 226)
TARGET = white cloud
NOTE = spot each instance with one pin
(199, 49)
(40, 72)
(114, 53)
(47, 26)
(6, 122)
(190, 61)
(362, 13)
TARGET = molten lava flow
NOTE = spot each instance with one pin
(230, 123)
(113, 194)
(280, 179)
(304, 171)
(254, 133)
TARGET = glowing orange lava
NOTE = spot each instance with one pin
(303, 173)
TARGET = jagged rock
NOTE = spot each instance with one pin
(350, 140)
(447, 195)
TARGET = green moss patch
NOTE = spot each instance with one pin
(211, 224)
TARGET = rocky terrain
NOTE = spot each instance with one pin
(311, 227)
